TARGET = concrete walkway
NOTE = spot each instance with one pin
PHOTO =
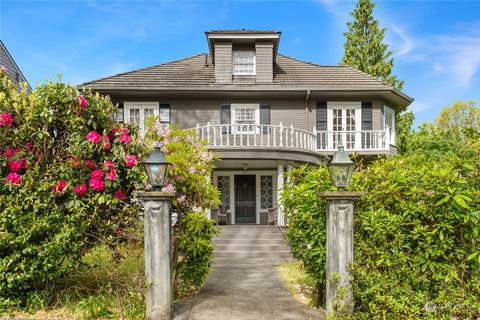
(244, 289)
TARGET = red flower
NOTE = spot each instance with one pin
(5, 119)
(111, 175)
(90, 164)
(119, 195)
(13, 178)
(96, 174)
(125, 138)
(94, 136)
(11, 152)
(96, 185)
(131, 161)
(80, 189)
(106, 146)
(83, 102)
(15, 166)
(108, 164)
(60, 186)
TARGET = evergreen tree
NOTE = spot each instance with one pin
(364, 47)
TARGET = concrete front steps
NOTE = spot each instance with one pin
(251, 242)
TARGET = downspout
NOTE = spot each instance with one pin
(307, 97)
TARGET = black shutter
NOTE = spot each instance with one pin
(265, 116)
(366, 115)
(322, 124)
(367, 137)
(165, 106)
(225, 116)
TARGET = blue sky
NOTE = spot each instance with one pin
(436, 44)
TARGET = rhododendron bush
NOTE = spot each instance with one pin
(192, 166)
(66, 171)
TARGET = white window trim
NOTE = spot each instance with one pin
(140, 105)
(393, 135)
(254, 72)
(236, 106)
(357, 105)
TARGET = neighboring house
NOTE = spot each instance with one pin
(13, 70)
(263, 112)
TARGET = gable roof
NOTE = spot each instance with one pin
(7, 59)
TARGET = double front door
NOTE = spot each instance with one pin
(345, 125)
(245, 210)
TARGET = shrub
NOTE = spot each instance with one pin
(415, 230)
(64, 183)
(193, 232)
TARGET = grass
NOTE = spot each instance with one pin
(110, 288)
(298, 282)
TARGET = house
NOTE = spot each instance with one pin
(13, 70)
(262, 111)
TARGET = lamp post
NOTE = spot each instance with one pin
(340, 234)
(157, 232)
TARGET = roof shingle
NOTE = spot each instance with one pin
(198, 72)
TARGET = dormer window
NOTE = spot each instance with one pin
(243, 62)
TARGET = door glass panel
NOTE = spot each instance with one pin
(224, 188)
(266, 192)
(344, 126)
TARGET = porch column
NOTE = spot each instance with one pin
(280, 180)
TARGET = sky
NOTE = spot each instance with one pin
(436, 44)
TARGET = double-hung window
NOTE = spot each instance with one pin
(243, 62)
(138, 112)
(245, 117)
(389, 118)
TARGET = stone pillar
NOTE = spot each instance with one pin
(158, 255)
(280, 181)
(339, 249)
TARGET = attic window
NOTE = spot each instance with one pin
(244, 62)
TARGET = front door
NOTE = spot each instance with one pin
(245, 199)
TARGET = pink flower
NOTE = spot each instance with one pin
(113, 132)
(168, 188)
(119, 195)
(11, 152)
(80, 189)
(15, 166)
(13, 178)
(181, 199)
(131, 161)
(3, 68)
(83, 102)
(5, 119)
(192, 170)
(60, 186)
(96, 174)
(28, 144)
(90, 164)
(125, 130)
(108, 164)
(111, 175)
(125, 138)
(107, 146)
(96, 185)
(94, 136)
(23, 163)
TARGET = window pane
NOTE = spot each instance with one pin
(164, 115)
(135, 116)
(244, 62)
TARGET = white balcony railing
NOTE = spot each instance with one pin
(257, 135)
(279, 136)
(367, 140)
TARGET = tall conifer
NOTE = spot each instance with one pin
(364, 47)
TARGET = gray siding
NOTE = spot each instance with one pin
(12, 69)
(264, 61)
(223, 62)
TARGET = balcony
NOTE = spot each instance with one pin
(228, 136)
